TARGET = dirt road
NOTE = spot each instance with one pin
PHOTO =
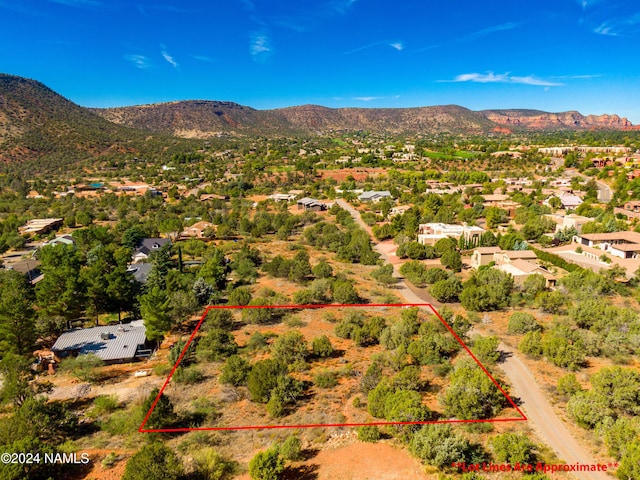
(545, 422)
(534, 403)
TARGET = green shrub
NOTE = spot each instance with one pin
(263, 378)
(486, 349)
(321, 347)
(154, 460)
(291, 449)
(103, 404)
(531, 344)
(188, 376)
(83, 367)
(568, 385)
(267, 465)
(212, 466)
(325, 379)
(235, 371)
(110, 460)
(521, 322)
(513, 448)
(368, 433)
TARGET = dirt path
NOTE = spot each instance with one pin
(534, 403)
(410, 295)
(542, 417)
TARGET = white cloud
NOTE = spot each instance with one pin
(260, 47)
(366, 99)
(491, 77)
(202, 58)
(168, 57)
(619, 26)
(475, 35)
(138, 61)
(397, 45)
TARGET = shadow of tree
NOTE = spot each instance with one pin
(303, 472)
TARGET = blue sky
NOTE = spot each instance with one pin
(552, 55)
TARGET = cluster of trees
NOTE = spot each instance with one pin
(610, 408)
(352, 245)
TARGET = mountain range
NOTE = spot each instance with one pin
(35, 120)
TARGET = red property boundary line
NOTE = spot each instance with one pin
(320, 306)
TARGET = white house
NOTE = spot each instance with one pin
(430, 233)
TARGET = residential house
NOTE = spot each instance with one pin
(399, 210)
(61, 240)
(197, 230)
(430, 233)
(483, 256)
(112, 343)
(39, 226)
(568, 201)
(571, 220)
(520, 264)
(620, 244)
(282, 197)
(148, 245)
(374, 196)
(510, 256)
(520, 270)
(309, 204)
(140, 271)
(632, 206)
(29, 268)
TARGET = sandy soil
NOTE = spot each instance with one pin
(359, 461)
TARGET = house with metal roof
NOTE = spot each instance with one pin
(111, 343)
(374, 196)
(311, 204)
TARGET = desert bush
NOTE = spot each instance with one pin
(235, 371)
(521, 322)
(325, 379)
(267, 465)
(368, 433)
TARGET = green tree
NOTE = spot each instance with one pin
(452, 260)
(486, 349)
(154, 460)
(321, 347)
(322, 270)
(267, 465)
(345, 293)
(568, 385)
(513, 448)
(384, 275)
(235, 371)
(154, 308)
(17, 317)
(163, 414)
(240, 296)
(521, 322)
(263, 378)
(446, 290)
(472, 394)
(17, 380)
(215, 345)
(61, 292)
(440, 446)
(444, 245)
(291, 448)
(630, 463)
(290, 349)
(531, 344)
